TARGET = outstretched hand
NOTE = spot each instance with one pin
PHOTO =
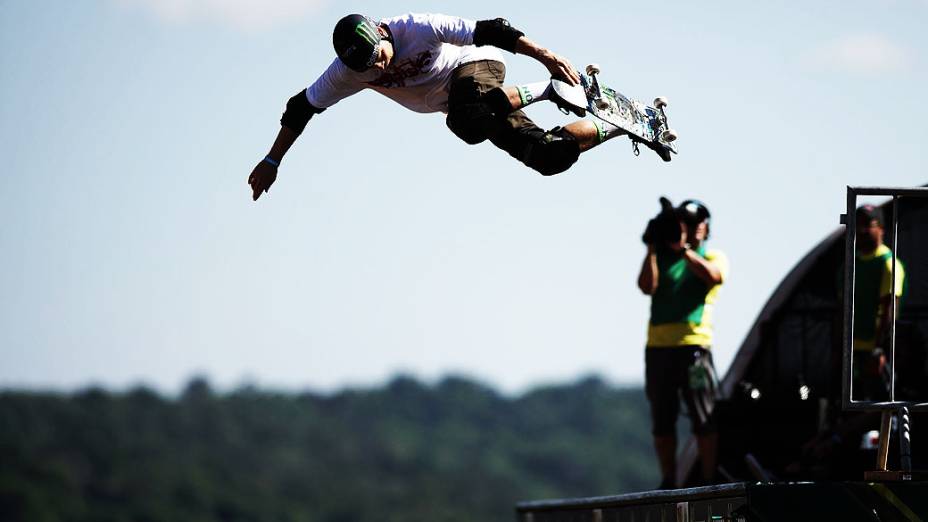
(261, 179)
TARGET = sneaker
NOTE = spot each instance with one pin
(568, 98)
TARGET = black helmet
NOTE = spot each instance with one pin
(868, 213)
(693, 212)
(357, 41)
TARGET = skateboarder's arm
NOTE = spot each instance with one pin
(499, 33)
(647, 278)
(559, 67)
(294, 120)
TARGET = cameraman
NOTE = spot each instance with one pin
(683, 279)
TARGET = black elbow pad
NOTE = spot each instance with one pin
(298, 112)
(497, 33)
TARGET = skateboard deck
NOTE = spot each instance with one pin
(643, 123)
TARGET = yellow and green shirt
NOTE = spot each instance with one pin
(873, 280)
(681, 307)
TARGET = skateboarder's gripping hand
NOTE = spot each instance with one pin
(261, 178)
(561, 69)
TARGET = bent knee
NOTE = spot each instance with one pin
(470, 124)
(553, 152)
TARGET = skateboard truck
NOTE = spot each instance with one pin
(592, 70)
(667, 134)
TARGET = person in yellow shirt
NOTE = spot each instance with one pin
(873, 295)
(683, 278)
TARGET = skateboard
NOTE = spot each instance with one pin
(643, 123)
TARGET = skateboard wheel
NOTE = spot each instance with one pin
(660, 102)
(602, 103)
(669, 135)
(592, 69)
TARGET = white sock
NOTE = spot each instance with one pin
(533, 92)
(606, 131)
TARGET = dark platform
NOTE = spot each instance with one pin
(744, 502)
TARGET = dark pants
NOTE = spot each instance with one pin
(478, 110)
(676, 372)
(871, 378)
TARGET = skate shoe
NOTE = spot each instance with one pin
(568, 98)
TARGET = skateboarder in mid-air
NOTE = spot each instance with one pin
(437, 63)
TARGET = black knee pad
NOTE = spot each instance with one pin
(552, 152)
(478, 118)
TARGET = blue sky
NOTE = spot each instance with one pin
(132, 252)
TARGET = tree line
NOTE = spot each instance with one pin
(455, 450)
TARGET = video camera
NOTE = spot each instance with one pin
(664, 227)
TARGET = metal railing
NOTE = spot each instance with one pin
(850, 244)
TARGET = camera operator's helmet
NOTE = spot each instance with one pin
(694, 212)
(357, 41)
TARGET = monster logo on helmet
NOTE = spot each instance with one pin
(356, 39)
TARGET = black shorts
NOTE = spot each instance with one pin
(472, 80)
(479, 109)
(680, 372)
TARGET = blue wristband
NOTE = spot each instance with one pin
(268, 159)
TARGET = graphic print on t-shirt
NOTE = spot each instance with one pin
(396, 75)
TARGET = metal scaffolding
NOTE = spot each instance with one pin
(901, 409)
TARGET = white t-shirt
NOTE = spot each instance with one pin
(427, 47)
